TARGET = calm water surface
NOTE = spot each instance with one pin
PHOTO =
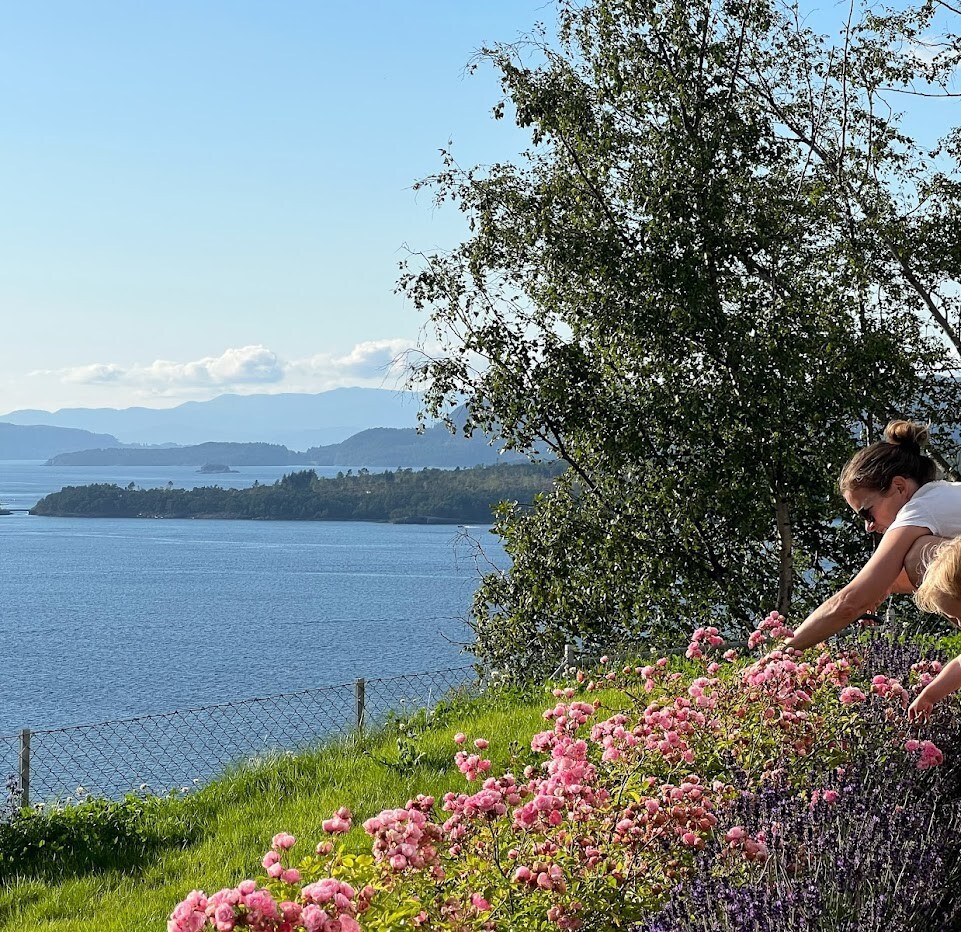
(24, 482)
(103, 618)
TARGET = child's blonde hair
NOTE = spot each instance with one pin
(942, 577)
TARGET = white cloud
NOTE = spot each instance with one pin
(372, 362)
(96, 374)
(245, 365)
(928, 48)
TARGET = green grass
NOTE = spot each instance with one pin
(233, 820)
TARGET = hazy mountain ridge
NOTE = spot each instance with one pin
(293, 420)
(40, 442)
(436, 446)
(371, 444)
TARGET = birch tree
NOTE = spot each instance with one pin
(705, 280)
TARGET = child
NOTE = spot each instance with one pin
(940, 591)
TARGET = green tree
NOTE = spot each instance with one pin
(670, 293)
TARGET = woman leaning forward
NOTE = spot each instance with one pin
(893, 487)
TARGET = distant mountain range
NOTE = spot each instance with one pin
(297, 421)
(261, 416)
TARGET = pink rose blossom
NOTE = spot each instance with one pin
(339, 822)
(850, 695)
(313, 918)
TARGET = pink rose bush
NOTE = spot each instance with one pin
(641, 782)
(929, 754)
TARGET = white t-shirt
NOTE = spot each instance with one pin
(936, 506)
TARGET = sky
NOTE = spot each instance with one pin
(215, 196)
(211, 197)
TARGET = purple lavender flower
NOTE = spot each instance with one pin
(884, 853)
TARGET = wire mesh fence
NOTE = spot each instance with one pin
(173, 750)
(159, 753)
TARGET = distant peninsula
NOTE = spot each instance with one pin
(39, 442)
(429, 496)
(198, 456)
(390, 447)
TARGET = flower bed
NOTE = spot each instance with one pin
(697, 793)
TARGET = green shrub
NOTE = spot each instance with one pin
(93, 835)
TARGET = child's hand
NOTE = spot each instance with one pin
(920, 709)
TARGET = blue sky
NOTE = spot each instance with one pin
(214, 196)
(183, 179)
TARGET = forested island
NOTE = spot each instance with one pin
(429, 496)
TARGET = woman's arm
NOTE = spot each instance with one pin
(864, 593)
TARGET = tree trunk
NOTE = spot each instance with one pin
(786, 577)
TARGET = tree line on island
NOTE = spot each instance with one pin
(429, 496)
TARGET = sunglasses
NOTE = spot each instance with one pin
(866, 512)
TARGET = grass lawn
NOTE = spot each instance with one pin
(232, 821)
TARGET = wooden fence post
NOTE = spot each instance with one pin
(25, 768)
(569, 652)
(359, 687)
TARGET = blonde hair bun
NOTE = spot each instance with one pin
(908, 434)
(899, 454)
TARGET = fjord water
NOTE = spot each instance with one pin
(107, 618)
(24, 482)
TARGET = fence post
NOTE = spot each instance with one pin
(569, 651)
(25, 768)
(359, 686)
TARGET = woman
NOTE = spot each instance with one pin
(891, 485)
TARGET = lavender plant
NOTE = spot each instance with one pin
(840, 866)
(855, 849)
